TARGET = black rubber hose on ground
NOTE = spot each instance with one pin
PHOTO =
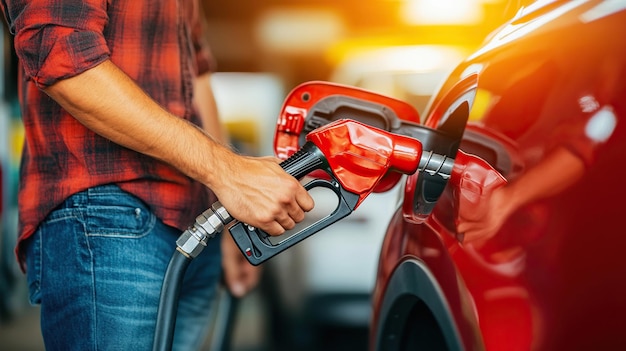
(168, 303)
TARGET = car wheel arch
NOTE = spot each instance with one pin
(413, 298)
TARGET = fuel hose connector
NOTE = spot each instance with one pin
(206, 226)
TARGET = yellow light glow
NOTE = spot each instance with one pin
(442, 12)
(299, 30)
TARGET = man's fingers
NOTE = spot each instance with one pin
(286, 222)
(274, 229)
(305, 201)
(296, 213)
(471, 231)
(295, 210)
(465, 226)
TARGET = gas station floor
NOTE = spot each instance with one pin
(22, 332)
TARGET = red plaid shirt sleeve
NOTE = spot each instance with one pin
(57, 42)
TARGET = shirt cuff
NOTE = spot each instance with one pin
(57, 53)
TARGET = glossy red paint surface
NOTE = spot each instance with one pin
(360, 155)
(551, 91)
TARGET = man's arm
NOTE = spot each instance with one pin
(239, 275)
(204, 100)
(254, 190)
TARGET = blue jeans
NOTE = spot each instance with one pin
(96, 267)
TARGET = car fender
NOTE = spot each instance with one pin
(408, 286)
(412, 286)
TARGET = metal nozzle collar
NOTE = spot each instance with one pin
(207, 225)
(221, 212)
(436, 164)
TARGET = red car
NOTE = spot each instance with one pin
(533, 260)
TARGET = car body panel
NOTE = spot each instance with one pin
(325, 282)
(552, 276)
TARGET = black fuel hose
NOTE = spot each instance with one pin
(168, 304)
(188, 246)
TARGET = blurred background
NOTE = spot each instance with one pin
(315, 295)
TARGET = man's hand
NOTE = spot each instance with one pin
(482, 219)
(481, 223)
(239, 275)
(257, 191)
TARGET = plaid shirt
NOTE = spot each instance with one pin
(157, 43)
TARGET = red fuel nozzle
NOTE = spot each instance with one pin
(360, 155)
(355, 157)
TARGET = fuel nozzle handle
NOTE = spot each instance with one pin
(306, 160)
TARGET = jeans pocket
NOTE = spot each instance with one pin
(126, 217)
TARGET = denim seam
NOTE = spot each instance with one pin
(39, 264)
(94, 323)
